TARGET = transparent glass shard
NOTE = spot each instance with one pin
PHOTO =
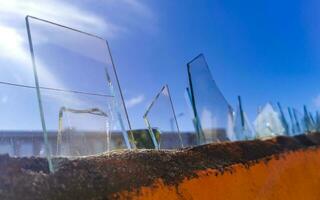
(284, 120)
(211, 109)
(317, 121)
(313, 122)
(308, 121)
(299, 121)
(83, 132)
(161, 121)
(268, 123)
(193, 139)
(143, 138)
(242, 127)
(75, 70)
(292, 125)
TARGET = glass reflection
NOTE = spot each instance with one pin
(74, 70)
(242, 126)
(268, 123)
(211, 110)
(308, 121)
(283, 119)
(162, 123)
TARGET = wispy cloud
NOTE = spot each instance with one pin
(139, 8)
(110, 19)
(134, 101)
(13, 39)
(136, 15)
(109, 24)
(58, 11)
(11, 43)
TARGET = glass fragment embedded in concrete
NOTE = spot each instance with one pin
(162, 123)
(211, 109)
(74, 70)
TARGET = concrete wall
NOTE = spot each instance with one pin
(292, 175)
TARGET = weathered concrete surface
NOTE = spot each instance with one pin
(279, 168)
(292, 175)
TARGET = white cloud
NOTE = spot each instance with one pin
(139, 8)
(11, 43)
(134, 101)
(13, 37)
(135, 15)
(316, 101)
(60, 12)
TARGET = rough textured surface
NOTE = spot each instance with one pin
(293, 175)
(100, 177)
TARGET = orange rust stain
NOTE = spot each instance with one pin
(293, 175)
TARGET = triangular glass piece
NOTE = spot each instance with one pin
(268, 123)
(162, 123)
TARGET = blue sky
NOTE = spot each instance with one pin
(261, 50)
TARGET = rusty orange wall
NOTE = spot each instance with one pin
(293, 175)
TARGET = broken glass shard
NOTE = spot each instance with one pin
(242, 127)
(193, 138)
(268, 123)
(283, 119)
(162, 123)
(308, 121)
(299, 121)
(74, 72)
(211, 110)
(83, 132)
(317, 121)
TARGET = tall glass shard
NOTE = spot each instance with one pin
(242, 127)
(293, 126)
(268, 123)
(308, 121)
(211, 109)
(193, 140)
(283, 119)
(317, 121)
(162, 123)
(74, 72)
(299, 121)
